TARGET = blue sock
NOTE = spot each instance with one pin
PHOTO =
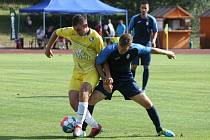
(155, 118)
(145, 78)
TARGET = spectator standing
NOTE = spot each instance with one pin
(40, 35)
(28, 23)
(106, 33)
(111, 28)
(121, 28)
(98, 28)
(49, 32)
(109, 32)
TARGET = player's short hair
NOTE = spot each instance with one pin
(144, 2)
(125, 40)
(78, 19)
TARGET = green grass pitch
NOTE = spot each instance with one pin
(33, 99)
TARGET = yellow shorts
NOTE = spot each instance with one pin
(78, 78)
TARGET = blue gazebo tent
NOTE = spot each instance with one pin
(73, 7)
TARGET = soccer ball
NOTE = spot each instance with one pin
(68, 123)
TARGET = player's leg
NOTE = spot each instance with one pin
(74, 99)
(145, 61)
(145, 77)
(83, 113)
(75, 89)
(132, 92)
(89, 119)
(99, 94)
(90, 109)
(84, 92)
(96, 97)
(90, 80)
(144, 101)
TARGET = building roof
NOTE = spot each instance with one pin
(171, 12)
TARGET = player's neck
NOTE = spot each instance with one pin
(144, 15)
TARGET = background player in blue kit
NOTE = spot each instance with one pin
(144, 29)
(117, 75)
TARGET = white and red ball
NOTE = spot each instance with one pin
(68, 123)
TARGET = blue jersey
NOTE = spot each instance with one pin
(142, 28)
(120, 63)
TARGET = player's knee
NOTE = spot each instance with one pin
(85, 87)
(148, 105)
(84, 96)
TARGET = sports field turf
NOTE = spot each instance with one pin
(33, 99)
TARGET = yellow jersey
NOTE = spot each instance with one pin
(85, 48)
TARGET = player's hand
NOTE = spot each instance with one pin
(48, 53)
(107, 84)
(108, 87)
(109, 80)
(171, 55)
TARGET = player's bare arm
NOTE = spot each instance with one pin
(100, 71)
(105, 75)
(108, 78)
(170, 54)
(49, 45)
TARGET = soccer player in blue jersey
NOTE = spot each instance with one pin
(144, 29)
(116, 75)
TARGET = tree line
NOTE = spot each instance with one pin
(195, 7)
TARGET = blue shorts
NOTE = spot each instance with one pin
(126, 88)
(145, 58)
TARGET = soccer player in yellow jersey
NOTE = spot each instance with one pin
(86, 44)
